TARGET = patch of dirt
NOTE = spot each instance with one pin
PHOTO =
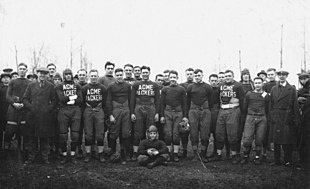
(185, 174)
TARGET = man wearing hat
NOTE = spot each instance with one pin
(76, 78)
(304, 131)
(16, 116)
(14, 75)
(284, 118)
(5, 78)
(57, 79)
(152, 152)
(70, 98)
(262, 74)
(31, 77)
(7, 70)
(40, 100)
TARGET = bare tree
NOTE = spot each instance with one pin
(38, 57)
(16, 58)
(85, 61)
(81, 57)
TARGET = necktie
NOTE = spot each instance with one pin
(281, 88)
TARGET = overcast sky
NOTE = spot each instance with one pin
(163, 34)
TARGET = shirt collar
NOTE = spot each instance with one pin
(283, 84)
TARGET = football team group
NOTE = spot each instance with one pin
(73, 116)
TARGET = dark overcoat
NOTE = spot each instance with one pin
(4, 105)
(284, 114)
(41, 103)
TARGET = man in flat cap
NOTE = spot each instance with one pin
(31, 77)
(57, 79)
(262, 74)
(284, 118)
(14, 75)
(40, 100)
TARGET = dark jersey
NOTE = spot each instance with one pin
(138, 79)
(215, 100)
(256, 103)
(147, 144)
(268, 86)
(199, 93)
(118, 92)
(16, 90)
(173, 96)
(94, 94)
(3, 103)
(67, 89)
(166, 83)
(247, 87)
(186, 84)
(131, 80)
(82, 84)
(145, 93)
(228, 91)
(106, 80)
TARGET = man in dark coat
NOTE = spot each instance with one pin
(284, 118)
(304, 130)
(40, 99)
(5, 78)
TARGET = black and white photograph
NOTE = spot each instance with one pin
(154, 94)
